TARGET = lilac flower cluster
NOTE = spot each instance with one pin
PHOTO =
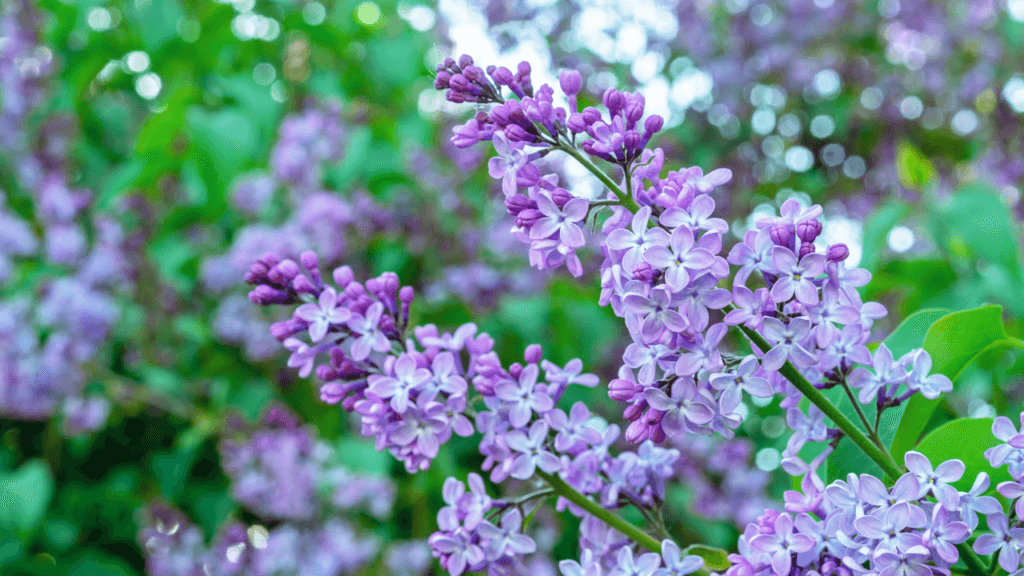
(289, 479)
(911, 528)
(661, 274)
(547, 217)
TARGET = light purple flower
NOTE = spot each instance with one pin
(323, 314)
(561, 221)
(656, 311)
(697, 217)
(796, 278)
(1007, 541)
(750, 307)
(510, 159)
(637, 240)
(887, 373)
(787, 343)
(524, 396)
(506, 538)
(685, 405)
(974, 501)
(912, 562)
(532, 453)
(942, 535)
(675, 563)
(936, 481)
(370, 336)
(887, 528)
(930, 386)
(732, 384)
(680, 257)
(782, 544)
(398, 388)
(628, 565)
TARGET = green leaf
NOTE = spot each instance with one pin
(25, 495)
(912, 167)
(953, 342)
(975, 219)
(965, 439)
(359, 454)
(715, 559)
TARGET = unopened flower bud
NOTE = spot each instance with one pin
(622, 390)
(561, 197)
(781, 235)
(570, 81)
(806, 249)
(576, 123)
(406, 294)
(838, 253)
(653, 124)
(533, 354)
(808, 230)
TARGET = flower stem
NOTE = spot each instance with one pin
(625, 199)
(881, 457)
(569, 493)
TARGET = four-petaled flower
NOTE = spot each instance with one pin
(560, 221)
(782, 544)
(323, 314)
(507, 163)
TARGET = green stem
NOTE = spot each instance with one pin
(860, 413)
(881, 457)
(625, 199)
(569, 493)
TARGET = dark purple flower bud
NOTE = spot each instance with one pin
(449, 62)
(653, 124)
(391, 282)
(458, 82)
(634, 112)
(656, 434)
(490, 69)
(472, 73)
(561, 196)
(515, 133)
(456, 97)
(533, 354)
(806, 249)
(577, 123)
(808, 230)
(503, 76)
(591, 115)
(766, 522)
(343, 276)
(515, 370)
(465, 60)
(406, 294)
(622, 390)
(634, 411)
(266, 295)
(332, 392)
(524, 68)
(838, 253)
(287, 328)
(632, 140)
(326, 372)
(289, 269)
(303, 285)
(570, 82)
(644, 271)
(516, 203)
(637, 432)
(373, 285)
(337, 356)
(279, 417)
(441, 80)
(781, 235)
(527, 218)
(270, 259)
(614, 101)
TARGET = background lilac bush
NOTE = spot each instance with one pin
(155, 157)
